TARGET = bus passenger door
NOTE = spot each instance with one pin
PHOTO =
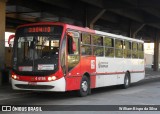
(73, 57)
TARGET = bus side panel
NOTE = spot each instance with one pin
(138, 71)
(86, 65)
(107, 69)
(73, 78)
(93, 81)
(135, 77)
(127, 66)
(72, 83)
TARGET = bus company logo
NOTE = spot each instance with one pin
(6, 108)
(102, 64)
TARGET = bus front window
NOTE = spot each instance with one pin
(36, 50)
(40, 47)
(47, 48)
(37, 55)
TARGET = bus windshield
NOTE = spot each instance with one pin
(37, 47)
(36, 52)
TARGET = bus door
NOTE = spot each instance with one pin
(73, 60)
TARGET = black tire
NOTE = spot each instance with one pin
(84, 87)
(126, 81)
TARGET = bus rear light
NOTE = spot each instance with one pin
(52, 78)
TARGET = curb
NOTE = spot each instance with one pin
(151, 77)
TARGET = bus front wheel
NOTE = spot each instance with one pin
(84, 87)
(126, 81)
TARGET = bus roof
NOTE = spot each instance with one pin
(84, 30)
(118, 36)
(102, 33)
(80, 28)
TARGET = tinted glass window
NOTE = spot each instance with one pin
(109, 47)
(134, 50)
(127, 49)
(118, 48)
(98, 48)
(86, 48)
(140, 51)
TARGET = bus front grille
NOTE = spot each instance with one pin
(23, 86)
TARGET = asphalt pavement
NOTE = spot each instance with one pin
(7, 92)
(145, 92)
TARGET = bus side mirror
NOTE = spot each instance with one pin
(9, 39)
(9, 42)
(73, 46)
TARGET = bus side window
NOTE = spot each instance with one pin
(140, 51)
(127, 49)
(73, 43)
(86, 48)
(119, 48)
(109, 46)
(134, 50)
(70, 41)
(98, 48)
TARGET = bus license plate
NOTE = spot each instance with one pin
(32, 83)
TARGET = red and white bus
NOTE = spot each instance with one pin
(61, 57)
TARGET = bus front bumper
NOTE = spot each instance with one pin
(57, 85)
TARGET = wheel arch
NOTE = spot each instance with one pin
(87, 75)
(129, 74)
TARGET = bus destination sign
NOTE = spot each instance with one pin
(38, 29)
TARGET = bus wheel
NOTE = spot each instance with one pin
(126, 81)
(84, 87)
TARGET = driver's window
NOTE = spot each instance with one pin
(73, 54)
(73, 37)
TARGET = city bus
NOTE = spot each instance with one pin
(58, 57)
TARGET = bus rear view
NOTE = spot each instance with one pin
(35, 58)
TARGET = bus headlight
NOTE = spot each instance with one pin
(52, 78)
(49, 78)
(15, 77)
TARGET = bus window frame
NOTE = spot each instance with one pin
(102, 45)
(88, 45)
(122, 48)
(72, 55)
(113, 46)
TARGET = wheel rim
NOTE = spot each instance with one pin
(84, 86)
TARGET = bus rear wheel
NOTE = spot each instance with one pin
(126, 81)
(84, 87)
